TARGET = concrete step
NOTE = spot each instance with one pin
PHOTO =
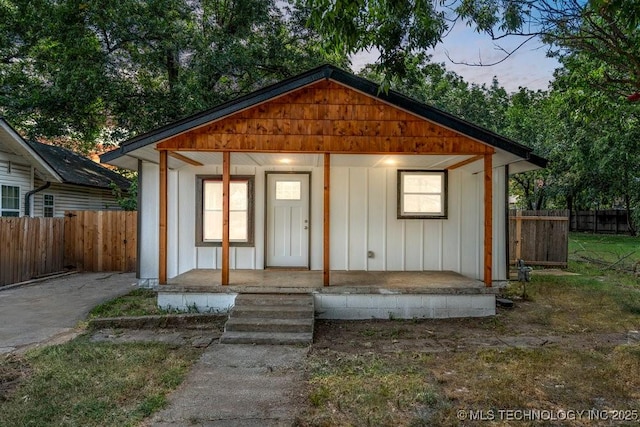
(272, 311)
(260, 324)
(269, 338)
(270, 299)
(270, 319)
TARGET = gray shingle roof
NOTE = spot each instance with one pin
(76, 169)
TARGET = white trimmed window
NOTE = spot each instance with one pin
(9, 201)
(422, 194)
(48, 205)
(209, 220)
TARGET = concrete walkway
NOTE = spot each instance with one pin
(41, 312)
(239, 385)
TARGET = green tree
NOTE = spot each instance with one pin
(605, 134)
(127, 200)
(603, 29)
(51, 69)
(95, 71)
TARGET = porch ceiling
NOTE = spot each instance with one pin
(337, 160)
(501, 157)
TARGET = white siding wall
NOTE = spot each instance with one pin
(500, 219)
(363, 218)
(184, 255)
(21, 175)
(68, 197)
(148, 243)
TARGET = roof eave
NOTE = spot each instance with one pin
(220, 111)
(41, 163)
(325, 72)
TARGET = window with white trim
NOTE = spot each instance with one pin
(422, 194)
(209, 211)
(9, 201)
(48, 205)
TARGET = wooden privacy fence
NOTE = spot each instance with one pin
(100, 240)
(30, 247)
(607, 221)
(539, 237)
(84, 240)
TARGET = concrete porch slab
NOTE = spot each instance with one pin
(352, 294)
(342, 282)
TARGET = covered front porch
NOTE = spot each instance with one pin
(385, 207)
(352, 294)
(305, 281)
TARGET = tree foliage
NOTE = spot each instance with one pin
(603, 29)
(94, 71)
(590, 138)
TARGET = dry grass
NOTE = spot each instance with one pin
(572, 304)
(413, 389)
(370, 389)
(373, 373)
(552, 379)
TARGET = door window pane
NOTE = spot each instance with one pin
(288, 190)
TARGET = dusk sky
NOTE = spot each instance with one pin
(528, 67)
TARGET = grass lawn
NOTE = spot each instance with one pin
(564, 347)
(573, 355)
(83, 383)
(139, 302)
(617, 252)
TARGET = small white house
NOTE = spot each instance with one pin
(40, 180)
(323, 172)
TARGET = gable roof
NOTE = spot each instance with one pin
(60, 164)
(328, 72)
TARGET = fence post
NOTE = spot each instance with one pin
(518, 234)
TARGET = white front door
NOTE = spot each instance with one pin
(288, 220)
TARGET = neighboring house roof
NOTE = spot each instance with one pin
(332, 73)
(76, 169)
(60, 164)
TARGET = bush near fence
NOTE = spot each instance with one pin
(82, 240)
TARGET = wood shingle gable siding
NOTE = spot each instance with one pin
(325, 117)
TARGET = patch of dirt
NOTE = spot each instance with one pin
(444, 335)
(13, 369)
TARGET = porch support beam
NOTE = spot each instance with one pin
(162, 259)
(226, 179)
(185, 159)
(488, 219)
(326, 278)
(466, 162)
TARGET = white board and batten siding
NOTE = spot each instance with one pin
(363, 219)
